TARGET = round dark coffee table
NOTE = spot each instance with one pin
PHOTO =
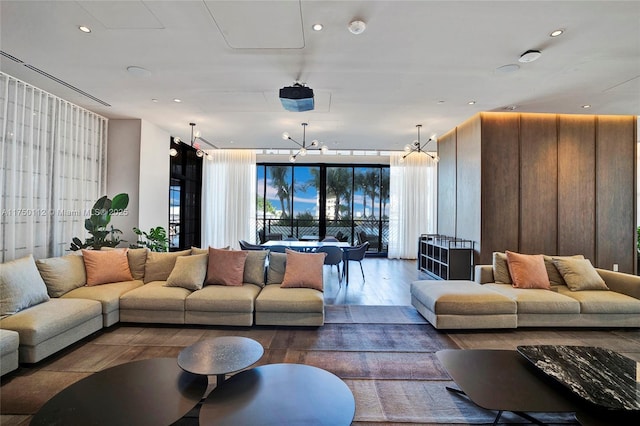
(280, 394)
(147, 392)
(220, 355)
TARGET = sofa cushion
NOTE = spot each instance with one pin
(460, 297)
(537, 301)
(226, 267)
(303, 270)
(273, 298)
(47, 320)
(189, 272)
(62, 274)
(155, 296)
(107, 294)
(501, 268)
(254, 267)
(579, 274)
(603, 302)
(106, 266)
(277, 267)
(528, 270)
(555, 277)
(159, 265)
(222, 298)
(21, 285)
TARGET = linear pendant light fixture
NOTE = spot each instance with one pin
(417, 146)
(303, 146)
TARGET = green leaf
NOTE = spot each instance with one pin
(120, 202)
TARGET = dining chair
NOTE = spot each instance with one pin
(278, 249)
(330, 239)
(333, 257)
(244, 245)
(357, 254)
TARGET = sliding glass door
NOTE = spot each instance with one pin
(350, 203)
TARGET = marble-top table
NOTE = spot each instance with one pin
(600, 376)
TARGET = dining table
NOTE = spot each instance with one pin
(314, 245)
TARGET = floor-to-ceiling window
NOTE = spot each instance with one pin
(313, 201)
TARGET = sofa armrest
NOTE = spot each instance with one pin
(483, 274)
(621, 283)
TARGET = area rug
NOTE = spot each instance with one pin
(385, 354)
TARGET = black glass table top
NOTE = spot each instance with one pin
(600, 376)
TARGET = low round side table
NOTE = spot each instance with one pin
(280, 394)
(219, 356)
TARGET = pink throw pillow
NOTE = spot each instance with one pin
(303, 270)
(528, 270)
(106, 266)
(225, 267)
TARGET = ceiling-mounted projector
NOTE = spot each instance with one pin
(297, 98)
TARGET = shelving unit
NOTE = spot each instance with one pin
(445, 258)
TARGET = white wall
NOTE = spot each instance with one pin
(153, 209)
(123, 171)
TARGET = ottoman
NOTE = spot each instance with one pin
(9, 342)
(461, 304)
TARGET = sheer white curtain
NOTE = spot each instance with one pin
(413, 186)
(229, 198)
(53, 157)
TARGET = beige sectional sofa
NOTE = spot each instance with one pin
(73, 310)
(485, 303)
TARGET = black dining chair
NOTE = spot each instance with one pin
(357, 254)
(333, 257)
(244, 245)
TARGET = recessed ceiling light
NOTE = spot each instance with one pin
(176, 100)
(84, 29)
(317, 27)
(471, 102)
(440, 102)
(138, 71)
(505, 69)
(556, 33)
(154, 100)
(586, 106)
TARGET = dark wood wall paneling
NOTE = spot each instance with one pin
(544, 183)
(576, 185)
(447, 183)
(538, 184)
(615, 192)
(468, 178)
(499, 206)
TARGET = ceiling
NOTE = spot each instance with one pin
(418, 62)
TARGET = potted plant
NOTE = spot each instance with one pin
(155, 240)
(102, 235)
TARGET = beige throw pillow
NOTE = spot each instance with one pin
(303, 270)
(160, 264)
(21, 286)
(254, 267)
(189, 272)
(62, 274)
(579, 274)
(226, 267)
(106, 266)
(555, 277)
(501, 268)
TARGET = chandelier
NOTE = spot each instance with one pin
(195, 136)
(315, 145)
(416, 146)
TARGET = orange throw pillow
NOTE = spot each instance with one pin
(106, 266)
(225, 267)
(528, 270)
(303, 270)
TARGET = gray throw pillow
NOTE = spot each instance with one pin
(159, 265)
(189, 272)
(501, 268)
(277, 266)
(254, 267)
(62, 274)
(21, 286)
(555, 277)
